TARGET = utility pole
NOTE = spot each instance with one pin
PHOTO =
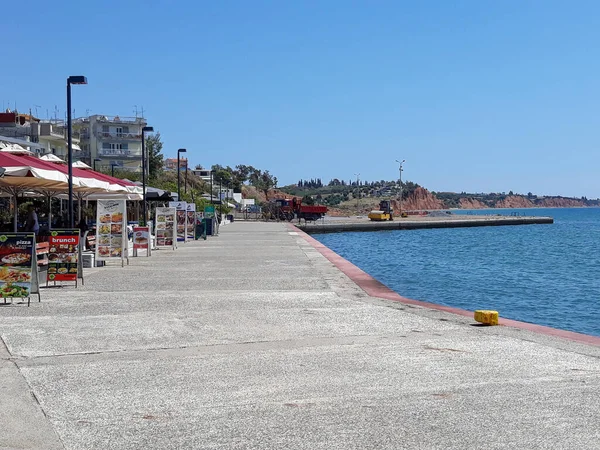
(400, 170)
(357, 195)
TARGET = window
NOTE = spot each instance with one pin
(119, 131)
(105, 129)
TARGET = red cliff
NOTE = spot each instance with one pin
(472, 203)
(419, 199)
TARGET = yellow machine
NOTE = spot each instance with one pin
(385, 212)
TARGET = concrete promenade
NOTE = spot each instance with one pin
(254, 340)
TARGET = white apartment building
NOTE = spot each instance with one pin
(111, 141)
(51, 135)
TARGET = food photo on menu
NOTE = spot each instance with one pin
(140, 238)
(15, 275)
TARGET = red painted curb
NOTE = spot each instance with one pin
(377, 289)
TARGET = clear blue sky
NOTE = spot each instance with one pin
(476, 95)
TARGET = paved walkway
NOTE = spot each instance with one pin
(253, 340)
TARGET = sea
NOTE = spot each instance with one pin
(543, 274)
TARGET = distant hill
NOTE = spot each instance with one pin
(352, 197)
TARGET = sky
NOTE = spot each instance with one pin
(476, 96)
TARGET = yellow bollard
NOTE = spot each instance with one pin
(486, 317)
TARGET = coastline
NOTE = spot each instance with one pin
(377, 289)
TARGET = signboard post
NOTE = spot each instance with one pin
(191, 221)
(181, 215)
(111, 231)
(18, 267)
(165, 227)
(64, 256)
(141, 240)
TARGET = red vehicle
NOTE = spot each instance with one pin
(290, 209)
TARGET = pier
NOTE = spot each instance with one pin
(341, 224)
(263, 338)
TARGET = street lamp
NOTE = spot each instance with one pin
(78, 79)
(400, 170)
(211, 188)
(94, 162)
(144, 130)
(357, 195)
(181, 150)
(185, 179)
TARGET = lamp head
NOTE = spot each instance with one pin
(77, 79)
(147, 129)
(182, 150)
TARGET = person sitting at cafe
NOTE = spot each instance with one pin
(32, 223)
(83, 226)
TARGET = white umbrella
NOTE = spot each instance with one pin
(81, 165)
(52, 158)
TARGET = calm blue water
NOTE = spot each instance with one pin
(545, 274)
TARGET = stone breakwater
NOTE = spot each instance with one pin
(362, 224)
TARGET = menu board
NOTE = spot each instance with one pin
(63, 260)
(181, 216)
(191, 221)
(141, 238)
(165, 227)
(111, 230)
(18, 265)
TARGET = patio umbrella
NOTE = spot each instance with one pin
(26, 174)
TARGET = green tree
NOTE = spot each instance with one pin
(263, 181)
(308, 200)
(155, 157)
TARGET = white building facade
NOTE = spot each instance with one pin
(109, 142)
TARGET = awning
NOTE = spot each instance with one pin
(21, 142)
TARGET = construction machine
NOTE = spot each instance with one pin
(385, 212)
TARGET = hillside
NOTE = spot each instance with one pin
(341, 197)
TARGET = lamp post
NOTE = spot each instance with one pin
(179, 152)
(357, 195)
(211, 188)
(94, 162)
(185, 179)
(221, 197)
(78, 79)
(400, 170)
(144, 130)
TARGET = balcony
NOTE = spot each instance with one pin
(118, 136)
(54, 132)
(105, 153)
(121, 119)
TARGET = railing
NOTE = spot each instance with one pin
(120, 136)
(120, 153)
(57, 132)
(120, 119)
